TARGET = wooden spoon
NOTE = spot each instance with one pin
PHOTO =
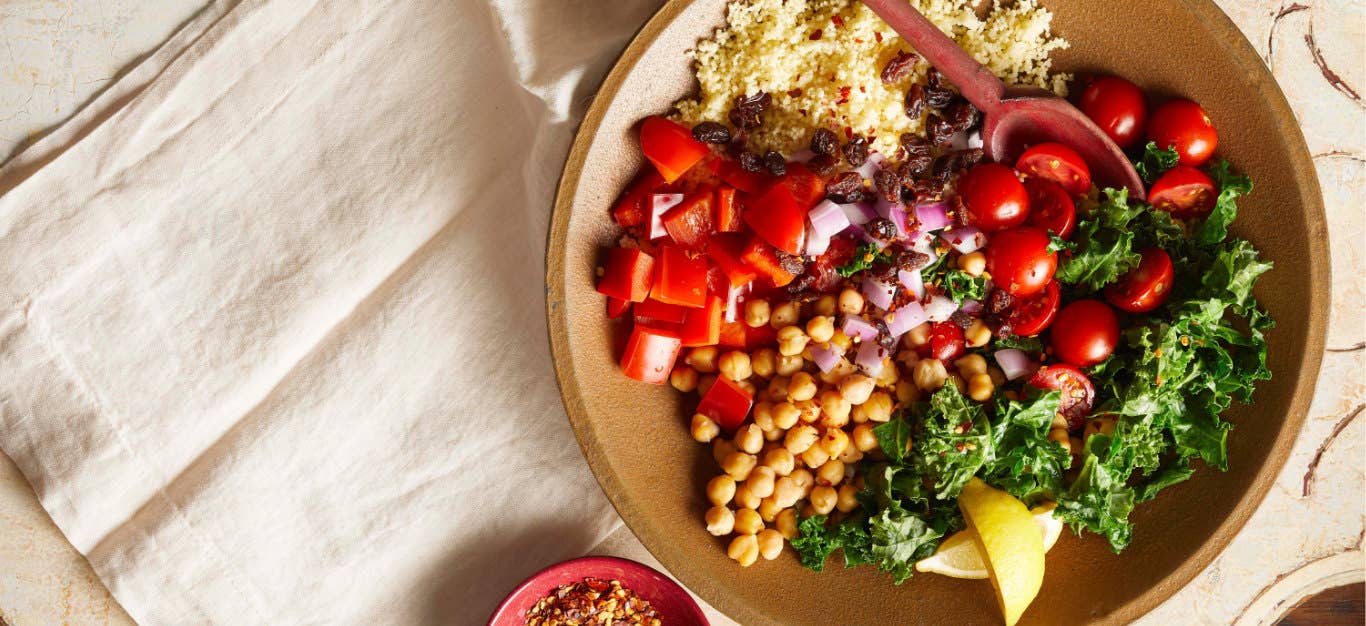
(1015, 118)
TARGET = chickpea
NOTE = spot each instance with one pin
(704, 429)
(721, 448)
(721, 490)
(977, 334)
(748, 522)
(683, 378)
(929, 374)
(734, 365)
(888, 375)
(800, 438)
(748, 387)
(850, 302)
(841, 341)
(815, 456)
(763, 415)
(833, 441)
(787, 523)
(958, 382)
(980, 387)
(834, 409)
(784, 315)
(777, 388)
(826, 305)
(780, 461)
(786, 491)
(878, 408)
(1059, 421)
(760, 481)
(773, 435)
(763, 362)
(720, 521)
(744, 549)
(785, 415)
(856, 388)
(832, 473)
(804, 479)
(846, 498)
(789, 365)
(1060, 435)
(792, 341)
(808, 410)
(770, 544)
(823, 499)
(738, 464)
(907, 358)
(801, 386)
(864, 439)
(842, 369)
(850, 455)
(918, 336)
(971, 364)
(998, 377)
(820, 328)
(744, 498)
(769, 509)
(1099, 426)
(974, 263)
(907, 392)
(704, 384)
(756, 313)
(702, 359)
(749, 439)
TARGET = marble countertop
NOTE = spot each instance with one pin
(56, 54)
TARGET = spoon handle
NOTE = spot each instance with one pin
(976, 82)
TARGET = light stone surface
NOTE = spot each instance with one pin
(56, 54)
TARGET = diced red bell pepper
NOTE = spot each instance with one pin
(739, 178)
(616, 307)
(733, 334)
(650, 354)
(727, 403)
(670, 147)
(727, 211)
(725, 250)
(807, 188)
(692, 222)
(736, 295)
(765, 260)
(762, 337)
(679, 278)
(702, 327)
(657, 205)
(634, 206)
(654, 313)
(626, 274)
(776, 217)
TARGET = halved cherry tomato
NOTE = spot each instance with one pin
(807, 188)
(1058, 163)
(1184, 125)
(725, 249)
(1145, 287)
(691, 223)
(1084, 333)
(627, 273)
(679, 278)
(994, 197)
(1030, 316)
(727, 403)
(740, 178)
(634, 206)
(946, 341)
(765, 260)
(1050, 208)
(776, 217)
(1019, 260)
(702, 327)
(727, 211)
(657, 314)
(1078, 394)
(650, 354)
(1185, 192)
(616, 307)
(670, 147)
(1117, 107)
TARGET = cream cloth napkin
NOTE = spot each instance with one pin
(272, 340)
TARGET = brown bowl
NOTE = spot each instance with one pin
(636, 439)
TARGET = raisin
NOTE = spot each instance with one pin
(711, 132)
(938, 98)
(824, 141)
(936, 78)
(961, 319)
(940, 130)
(998, 301)
(846, 188)
(917, 166)
(899, 67)
(801, 284)
(961, 114)
(856, 151)
(775, 163)
(751, 162)
(884, 336)
(821, 164)
(881, 229)
(915, 145)
(915, 101)
(747, 109)
(888, 185)
(952, 162)
(791, 264)
(910, 260)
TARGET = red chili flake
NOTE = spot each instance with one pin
(878, 34)
(844, 95)
(839, 21)
(862, 89)
(858, 41)
(794, 93)
(848, 133)
(816, 35)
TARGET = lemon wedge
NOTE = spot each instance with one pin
(1011, 545)
(958, 556)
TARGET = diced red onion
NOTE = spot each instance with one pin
(965, 239)
(1015, 363)
(921, 241)
(905, 318)
(735, 297)
(816, 243)
(802, 156)
(826, 357)
(855, 326)
(971, 307)
(659, 203)
(869, 358)
(912, 280)
(874, 163)
(828, 219)
(974, 139)
(858, 213)
(932, 216)
(878, 293)
(894, 211)
(939, 308)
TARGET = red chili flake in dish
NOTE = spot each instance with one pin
(794, 93)
(592, 602)
(844, 95)
(878, 35)
(815, 35)
(838, 21)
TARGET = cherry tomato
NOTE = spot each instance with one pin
(1030, 316)
(1058, 163)
(994, 196)
(1184, 125)
(1019, 260)
(1145, 287)
(946, 341)
(1117, 107)
(1078, 394)
(1085, 333)
(1050, 208)
(1185, 192)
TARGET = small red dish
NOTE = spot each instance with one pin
(675, 605)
